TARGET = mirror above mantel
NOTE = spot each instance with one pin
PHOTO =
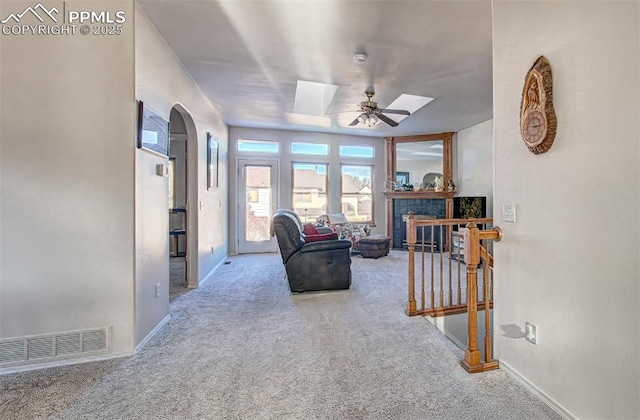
(419, 160)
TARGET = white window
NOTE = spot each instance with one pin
(356, 194)
(262, 146)
(356, 151)
(310, 149)
(309, 183)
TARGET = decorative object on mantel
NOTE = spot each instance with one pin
(451, 187)
(439, 187)
(538, 122)
(430, 178)
(389, 185)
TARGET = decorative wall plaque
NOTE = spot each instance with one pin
(537, 117)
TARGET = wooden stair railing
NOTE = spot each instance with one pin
(440, 290)
(474, 252)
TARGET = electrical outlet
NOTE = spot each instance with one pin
(509, 213)
(531, 332)
(158, 290)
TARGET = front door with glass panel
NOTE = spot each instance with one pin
(258, 195)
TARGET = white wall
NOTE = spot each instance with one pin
(286, 158)
(67, 130)
(474, 147)
(570, 264)
(162, 82)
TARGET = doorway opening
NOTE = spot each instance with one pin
(182, 232)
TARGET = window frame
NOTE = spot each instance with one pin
(371, 167)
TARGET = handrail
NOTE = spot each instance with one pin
(448, 222)
(474, 252)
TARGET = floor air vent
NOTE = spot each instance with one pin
(51, 347)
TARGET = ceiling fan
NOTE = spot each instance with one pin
(371, 114)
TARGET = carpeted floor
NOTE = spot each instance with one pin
(242, 346)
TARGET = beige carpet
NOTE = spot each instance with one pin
(243, 347)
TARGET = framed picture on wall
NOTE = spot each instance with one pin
(212, 162)
(153, 131)
(402, 178)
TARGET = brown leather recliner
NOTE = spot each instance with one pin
(323, 265)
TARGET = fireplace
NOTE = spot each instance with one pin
(433, 207)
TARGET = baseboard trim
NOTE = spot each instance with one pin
(152, 333)
(65, 362)
(208, 276)
(555, 406)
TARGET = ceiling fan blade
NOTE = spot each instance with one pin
(343, 112)
(395, 111)
(388, 120)
(357, 120)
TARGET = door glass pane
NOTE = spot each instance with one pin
(309, 190)
(259, 197)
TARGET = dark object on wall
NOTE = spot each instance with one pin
(469, 207)
(153, 130)
(324, 265)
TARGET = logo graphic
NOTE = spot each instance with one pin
(42, 20)
(34, 11)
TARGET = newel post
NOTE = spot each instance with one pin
(472, 259)
(472, 358)
(411, 245)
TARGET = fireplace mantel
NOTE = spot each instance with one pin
(418, 194)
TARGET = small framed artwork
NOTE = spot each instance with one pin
(402, 178)
(212, 163)
(153, 131)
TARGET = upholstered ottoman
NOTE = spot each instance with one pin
(374, 246)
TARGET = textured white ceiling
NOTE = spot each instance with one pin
(249, 55)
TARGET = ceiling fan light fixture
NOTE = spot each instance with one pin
(373, 120)
(362, 118)
(360, 58)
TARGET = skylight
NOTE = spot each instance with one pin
(411, 103)
(313, 98)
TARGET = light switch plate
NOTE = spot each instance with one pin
(509, 213)
(531, 333)
(162, 170)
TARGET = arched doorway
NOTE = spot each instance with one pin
(183, 198)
